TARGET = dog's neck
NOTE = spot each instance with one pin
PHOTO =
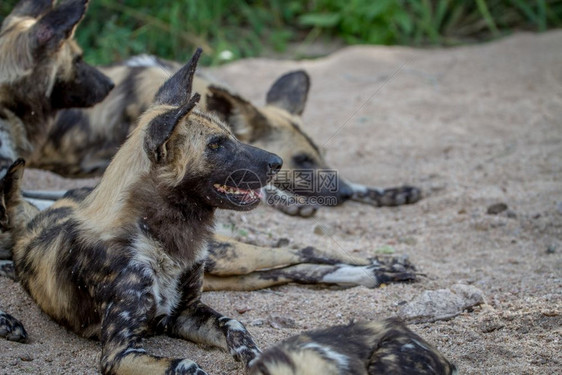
(183, 230)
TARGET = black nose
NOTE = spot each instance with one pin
(275, 163)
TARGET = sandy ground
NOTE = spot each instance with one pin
(472, 126)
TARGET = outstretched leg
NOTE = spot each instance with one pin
(228, 257)
(372, 276)
(199, 323)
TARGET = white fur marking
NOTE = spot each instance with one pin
(235, 325)
(351, 275)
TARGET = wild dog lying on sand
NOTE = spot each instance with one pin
(369, 348)
(82, 142)
(41, 72)
(126, 260)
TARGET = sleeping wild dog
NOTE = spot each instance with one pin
(82, 142)
(126, 260)
(41, 72)
(367, 348)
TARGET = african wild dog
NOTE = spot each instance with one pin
(82, 142)
(126, 259)
(41, 71)
(369, 348)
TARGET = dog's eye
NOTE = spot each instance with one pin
(214, 146)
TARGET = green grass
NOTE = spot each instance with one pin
(232, 29)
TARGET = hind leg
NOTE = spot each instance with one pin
(379, 272)
(228, 257)
(389, 197)
(11, 328)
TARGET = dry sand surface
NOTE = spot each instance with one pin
(472, 126)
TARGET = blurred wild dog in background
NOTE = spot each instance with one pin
(41, 72)
(82, 142)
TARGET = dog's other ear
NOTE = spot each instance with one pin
(289, 92)
(245, 120)
(32, 8)
(57, 26)
(176, 90)
(10, 188)
(162, 127)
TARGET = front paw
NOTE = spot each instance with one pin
(303, 211)
(390, 197)
(288, 203)
(393, 269)
(186, 367)
(11, 328)
(239, 341)
(7, 269)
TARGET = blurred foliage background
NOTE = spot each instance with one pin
(232, 29)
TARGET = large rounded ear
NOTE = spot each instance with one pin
(245, 120)
(57, 26)
(290, 91)
(177, 89)
(32, 8)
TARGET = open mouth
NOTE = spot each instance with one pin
(239, 196)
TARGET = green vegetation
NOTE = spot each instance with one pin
(231, 29)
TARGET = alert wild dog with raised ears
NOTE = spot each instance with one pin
(82, 142)
(41, 72)
(364, 348)
(126, 259)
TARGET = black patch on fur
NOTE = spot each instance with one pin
(50, 215)
(67, 120)
(78, 195)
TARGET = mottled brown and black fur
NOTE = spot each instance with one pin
(126, 260)
(41, 72)
(369, 348)
(82, 142)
